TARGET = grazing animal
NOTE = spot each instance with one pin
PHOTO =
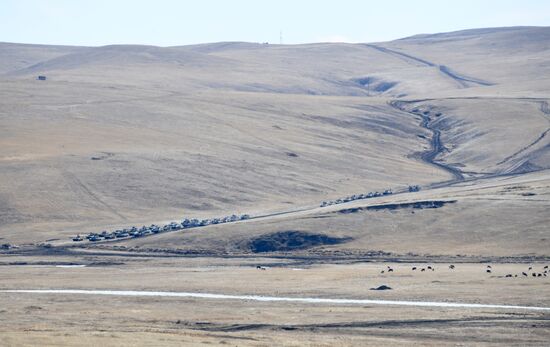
(539, 275)
(534, 274)
(488, 270)
(530, 268)
(414, 268)
(508, 275)
(488, 266)
(422, 269)
(429, 267)
(260, 267)
(390, 270)
(451, 266)
(382, 271)
(546, 267)
(524, 274)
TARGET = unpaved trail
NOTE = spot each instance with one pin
(210, 296)
(403, 56)
(446, 71)
(534, 143)
(545, 110)
(78, 185)
(461, 78)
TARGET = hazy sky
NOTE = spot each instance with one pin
(172, 22)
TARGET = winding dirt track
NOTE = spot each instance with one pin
(532, 144)
(461, 78)
(446, 71)
(403, 56)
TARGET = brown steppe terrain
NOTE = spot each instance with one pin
(122, 136)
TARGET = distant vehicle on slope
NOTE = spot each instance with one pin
(414, 188)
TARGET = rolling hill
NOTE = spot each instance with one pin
(127, 135)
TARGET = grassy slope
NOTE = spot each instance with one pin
(498, 217)
(205, 130)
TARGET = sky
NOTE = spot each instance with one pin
(173, 22)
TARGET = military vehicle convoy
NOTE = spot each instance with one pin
(155, 229)
(356, 197)
(195, 223)
(415, 188)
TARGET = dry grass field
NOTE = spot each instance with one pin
(55, 319)
(126, 135)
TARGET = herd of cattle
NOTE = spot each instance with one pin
(155, 229)
(193, 223)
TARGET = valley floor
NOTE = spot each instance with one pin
(68, 319)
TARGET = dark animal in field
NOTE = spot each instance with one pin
(260, 267)
(382, 271)
(429, 267)
(488, 266)
(390, 270)
(451, 266)
(414, 268)
(422, 269)
(534, 274)
(508, 275)
(488, 270)
(524, 274)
